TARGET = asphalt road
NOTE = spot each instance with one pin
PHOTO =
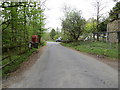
(60, 67)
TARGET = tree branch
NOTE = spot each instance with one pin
(6, 26)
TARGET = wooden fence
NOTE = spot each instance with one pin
(106, 36)
(9, 56)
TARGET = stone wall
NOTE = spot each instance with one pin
(113, 26)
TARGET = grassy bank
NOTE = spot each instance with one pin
(51, 40)
(14, 65)
(97, 48)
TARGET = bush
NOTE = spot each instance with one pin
(43, 43)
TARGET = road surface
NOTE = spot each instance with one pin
(60, 67)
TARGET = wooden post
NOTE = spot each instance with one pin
(97, 36)
(118, 33)
(104, 34)
(94, 36)
(107, 37)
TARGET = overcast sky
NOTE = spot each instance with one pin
(55, 12)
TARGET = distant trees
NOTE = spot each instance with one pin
(56, 36)
(73, 24)
(90, 25)
(55, 33)
(46, 36)
(52, 33)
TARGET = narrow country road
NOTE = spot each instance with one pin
(60, 67)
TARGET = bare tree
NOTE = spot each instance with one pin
(115, 0)
(99, 8)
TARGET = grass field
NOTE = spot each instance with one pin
(97, 48)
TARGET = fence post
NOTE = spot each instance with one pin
(109, 41)
(118, 33)
(94, 36)
(103, 37)
(97, 36)
(108, 37)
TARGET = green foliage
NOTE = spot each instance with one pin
(52, 33)
(43, 43)
(20, 20)
(97, 48)
(73, 24)
(113, 15)
(102, 26)
(90, 26)
(56, 36)
(19, 59)
(46, 36)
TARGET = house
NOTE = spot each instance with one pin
(111, 27)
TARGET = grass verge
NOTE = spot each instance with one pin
(14, 65)
(97, 48)
(18, 60)
(51, 40)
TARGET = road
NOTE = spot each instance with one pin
(60, 67)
